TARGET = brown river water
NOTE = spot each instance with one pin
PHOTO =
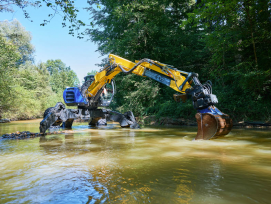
(151, 165)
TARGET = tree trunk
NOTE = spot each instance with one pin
(246, 5)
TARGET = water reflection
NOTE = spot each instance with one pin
(151, 165)
(115, 177)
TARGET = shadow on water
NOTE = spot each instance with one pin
(149, 165)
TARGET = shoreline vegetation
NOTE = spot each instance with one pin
(225, 42)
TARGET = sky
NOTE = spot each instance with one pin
(53, 42)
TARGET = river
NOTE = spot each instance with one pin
(151, 165)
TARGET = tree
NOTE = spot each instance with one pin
(28, 89)
(93, 72)
(145, 29)
(19, 37)
(139, 29)
(238, 39)
(224, 41)
(60, 75)
(8, 58)
(65, 8)
(236, 30)
(25, 89)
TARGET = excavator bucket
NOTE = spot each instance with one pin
(212, 123)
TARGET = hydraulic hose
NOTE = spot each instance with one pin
(137, 64)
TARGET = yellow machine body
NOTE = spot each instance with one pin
(101, 78)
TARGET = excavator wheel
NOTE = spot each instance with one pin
(211, 126)
(47, 111)
(51, 109)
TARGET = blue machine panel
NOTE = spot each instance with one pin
(211, 109)
(72, 97)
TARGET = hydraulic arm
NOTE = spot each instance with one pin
(94, 93)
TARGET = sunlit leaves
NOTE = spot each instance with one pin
(61, 76)
(19, 37)
(65, 8)
(213, 38)
(26, 88)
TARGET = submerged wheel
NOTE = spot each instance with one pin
(47, 111)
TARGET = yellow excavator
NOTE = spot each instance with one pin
(98, 90)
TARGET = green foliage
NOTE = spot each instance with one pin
(60, 75)
(227, 42)
(65, 8)
(93, 72)
(19, 37)
(136, 94)
(238, 38)
(236, 31)
(8, 58)
(27, 90)
(174, 109)
(29, 93)
(147, 29)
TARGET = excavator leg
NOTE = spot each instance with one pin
(212, 123)
(55, 116)
(125, 120)
(96, 121)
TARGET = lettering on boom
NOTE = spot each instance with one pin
(158, 77)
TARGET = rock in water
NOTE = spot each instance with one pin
(101, 122)
(4, 120)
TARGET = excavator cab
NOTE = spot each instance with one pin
(89, 78)
(108, 92)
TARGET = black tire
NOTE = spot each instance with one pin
(47, 111)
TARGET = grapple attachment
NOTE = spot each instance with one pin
(212, 123)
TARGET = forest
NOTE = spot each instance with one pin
(227, 42)
(27, 89)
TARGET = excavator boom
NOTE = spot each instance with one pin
(146, 68)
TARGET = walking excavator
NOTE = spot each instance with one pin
(98, 91)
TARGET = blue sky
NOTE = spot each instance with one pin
(53, 42)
